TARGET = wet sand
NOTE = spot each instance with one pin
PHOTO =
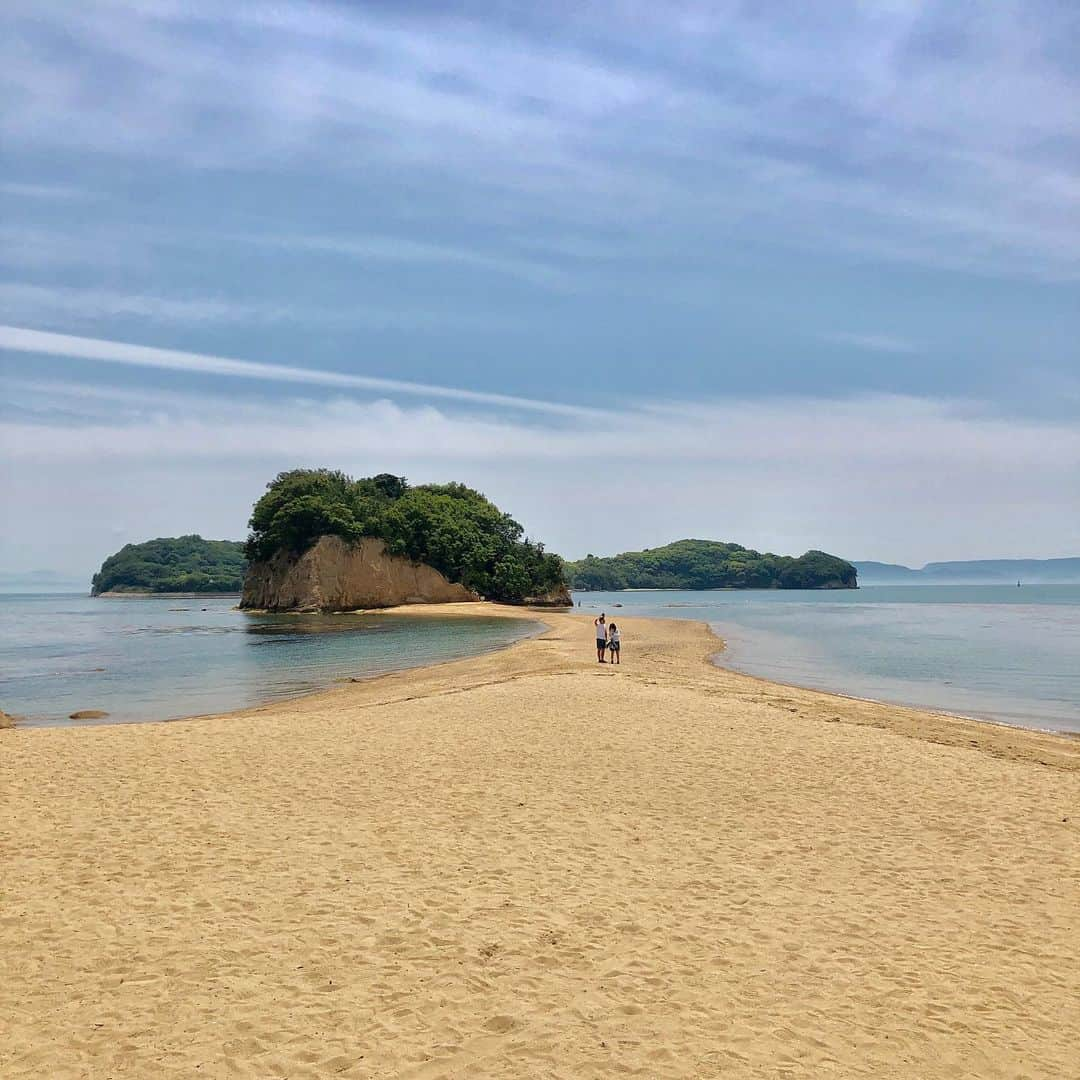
(531, 865)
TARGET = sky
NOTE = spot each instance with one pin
(797, 276)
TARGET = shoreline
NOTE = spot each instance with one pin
(963, 695)
(527, 863)
(143, 594)
(9, 720)
(930, 711)
(914, 721)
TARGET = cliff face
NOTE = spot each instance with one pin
(335, 576)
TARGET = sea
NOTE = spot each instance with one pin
(992, 652)
(162, 658)
(999, 653)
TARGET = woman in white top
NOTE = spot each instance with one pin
(601, 637)
(613, 643)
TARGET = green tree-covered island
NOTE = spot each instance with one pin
(710, 564)
(177, 564)
(449, 527)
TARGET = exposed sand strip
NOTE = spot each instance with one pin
(527, 864)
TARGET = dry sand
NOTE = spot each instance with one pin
(530, 865)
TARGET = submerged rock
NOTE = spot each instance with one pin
(88, 714)
(333, 575)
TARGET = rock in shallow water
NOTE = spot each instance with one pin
(559, 598)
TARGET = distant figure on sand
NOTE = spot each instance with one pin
(613, 643)
(601, 637)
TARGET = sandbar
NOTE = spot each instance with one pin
(528, 864)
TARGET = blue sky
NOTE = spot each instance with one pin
(793, 275)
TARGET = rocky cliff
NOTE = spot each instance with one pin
(333, 575)
(557, 598)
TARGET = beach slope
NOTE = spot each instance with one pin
(531, 865)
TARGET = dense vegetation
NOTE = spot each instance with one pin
(174, 564)
(448, 526)
(709, 564)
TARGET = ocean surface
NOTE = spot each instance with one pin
(159, 658)
(988, 651)
(994, 652)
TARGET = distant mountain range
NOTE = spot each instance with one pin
(977, 572)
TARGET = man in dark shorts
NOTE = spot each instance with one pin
(601, 637)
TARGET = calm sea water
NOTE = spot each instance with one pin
(157, 658)
(995, 652)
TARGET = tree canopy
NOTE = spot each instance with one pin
(710, 564)
(174, 564)
(448, 526)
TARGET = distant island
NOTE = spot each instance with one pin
(178, 564)
(321, 540)
(974, 572)
(710, 564)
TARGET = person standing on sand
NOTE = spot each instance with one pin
(601, 637)
(613, 643)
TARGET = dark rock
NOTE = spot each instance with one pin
(559, 597)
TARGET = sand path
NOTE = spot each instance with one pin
(529, 865)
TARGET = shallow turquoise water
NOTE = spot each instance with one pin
(990, 651)
(158, 658)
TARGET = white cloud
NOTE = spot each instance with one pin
(898, 478)
(904, 130)
(21, 339)
(38, 302)
(882, 431)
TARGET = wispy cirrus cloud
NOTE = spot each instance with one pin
(57, 192)
(38, 301)
(374, 248)
(96, 306)
(24, 340)
(884, 343)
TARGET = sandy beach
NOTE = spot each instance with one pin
(530, 865)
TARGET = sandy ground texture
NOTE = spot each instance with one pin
(529, 865)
